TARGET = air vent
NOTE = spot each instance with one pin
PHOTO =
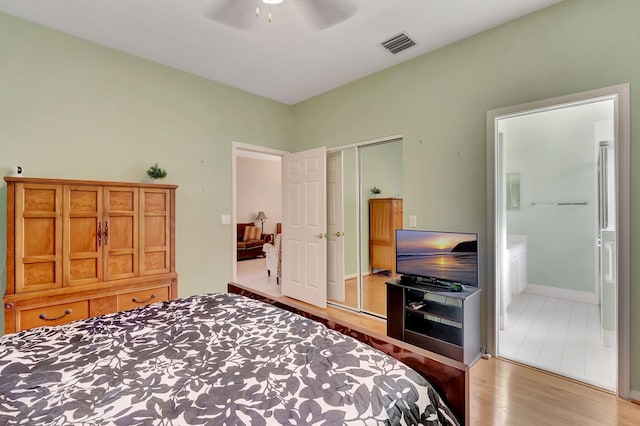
(398, 43)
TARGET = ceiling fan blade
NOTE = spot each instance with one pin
(327, 13)
(233, 13)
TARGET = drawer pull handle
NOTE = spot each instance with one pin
(44, 316)
(135, 299)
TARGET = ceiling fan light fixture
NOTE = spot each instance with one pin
(312, 14)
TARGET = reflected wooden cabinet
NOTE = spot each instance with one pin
(385, 216)
(82, 248)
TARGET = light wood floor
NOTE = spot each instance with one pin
(504, 393)
(374, 293)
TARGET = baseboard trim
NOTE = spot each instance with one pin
(634, 396)
(609, 338)
(350, 276)
(562, 293)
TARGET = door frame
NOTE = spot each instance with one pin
(235, 147)
(622, 161)
(335, 230)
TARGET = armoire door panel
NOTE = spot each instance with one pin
(155, 200)
(38, 237)
(155, 261)
(41, 199)
(85, 199)
(45, 228)
(121, 265)
(85, 234)
(39, 275)
(82, 237)
(83, 270)
(123, 200)
(120, 232)
(155, 249)
(155, 231)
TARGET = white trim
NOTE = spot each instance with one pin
(504, 320)
(562, 293)
(634, 395)
(623, 240)
(383, 139)
(235, 148)
(609, 338)
(620, 94)
(258, 155)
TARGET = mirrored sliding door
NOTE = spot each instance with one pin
(352, 173)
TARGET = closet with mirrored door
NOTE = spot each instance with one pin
(353, 173)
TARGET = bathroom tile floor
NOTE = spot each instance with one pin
(560, 336)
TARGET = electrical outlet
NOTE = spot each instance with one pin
(413, 221)
(226, 219)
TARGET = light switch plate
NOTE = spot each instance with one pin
(413, 221)
(226, 219)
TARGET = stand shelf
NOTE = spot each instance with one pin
(438, 320)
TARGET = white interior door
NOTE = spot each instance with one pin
(335, 228)
(304, 243)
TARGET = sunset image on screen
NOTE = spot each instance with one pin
(444, 256)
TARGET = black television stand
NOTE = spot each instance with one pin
(435, 318)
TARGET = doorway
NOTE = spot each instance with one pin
(257, 188)
(558, 227)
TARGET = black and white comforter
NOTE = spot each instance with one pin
(211, 359)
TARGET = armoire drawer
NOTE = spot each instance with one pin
(53, 314)
(137, 298)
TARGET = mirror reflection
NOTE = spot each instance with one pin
(357, 275)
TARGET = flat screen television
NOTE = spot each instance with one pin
(438, 257)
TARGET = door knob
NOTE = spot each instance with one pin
(320, 235)
(339, 234)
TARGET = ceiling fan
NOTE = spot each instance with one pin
(313, 14)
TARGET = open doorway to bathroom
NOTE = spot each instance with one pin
(558, 224)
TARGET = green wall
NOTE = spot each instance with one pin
(438, 102)
(73, 109)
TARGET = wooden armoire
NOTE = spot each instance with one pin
(385, 216)
(78, 249)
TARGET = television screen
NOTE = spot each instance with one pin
(441, 256)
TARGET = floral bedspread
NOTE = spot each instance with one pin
(220, 359)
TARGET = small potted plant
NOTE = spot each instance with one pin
(375, 191)
(155, 172)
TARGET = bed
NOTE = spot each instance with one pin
(207, 359)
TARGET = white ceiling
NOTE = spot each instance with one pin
(284, 60)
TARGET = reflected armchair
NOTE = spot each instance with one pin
(273, 254)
